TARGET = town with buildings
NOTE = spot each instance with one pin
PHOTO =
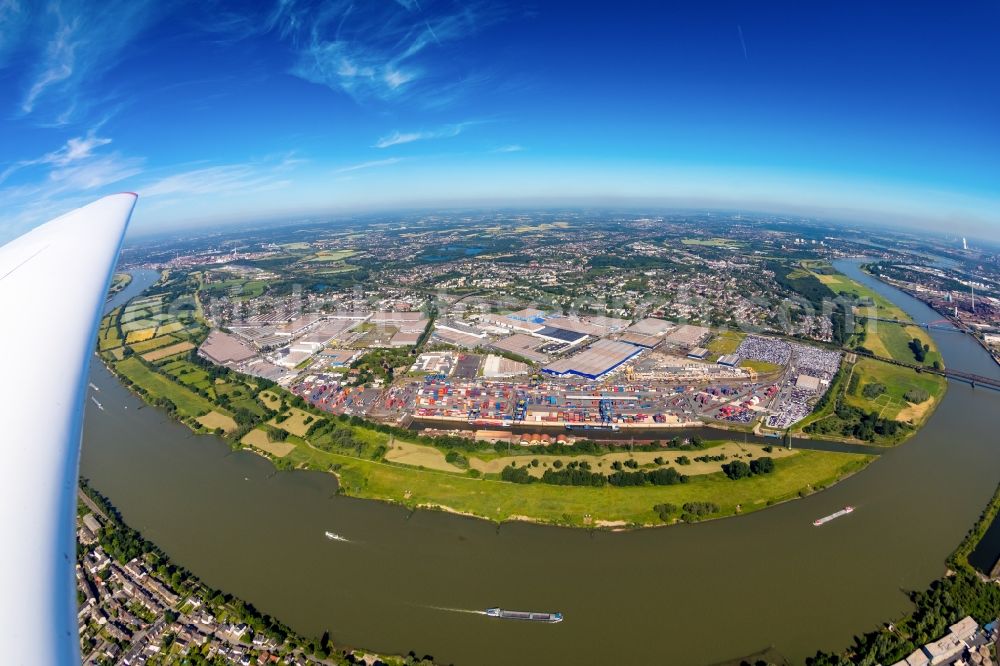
(580, 324)
(416, 343)
(135, 608)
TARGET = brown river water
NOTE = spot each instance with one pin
(686, 594)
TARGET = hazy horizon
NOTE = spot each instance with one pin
(233, 110)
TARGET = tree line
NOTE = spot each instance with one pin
(578, 475)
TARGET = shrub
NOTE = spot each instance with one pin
(736, 470)
(665, 511)
(873, 390)
(762, 466)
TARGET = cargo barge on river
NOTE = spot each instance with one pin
(551, 618)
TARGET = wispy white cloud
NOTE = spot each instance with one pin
(77, 42)
(743, 43)
(60, 180)
(396, 137)
(509, 148)
(375, 50)
(369, 165)
(222, 179)
(76, 149)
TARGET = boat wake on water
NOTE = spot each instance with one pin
(457, 610)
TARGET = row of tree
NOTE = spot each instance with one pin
(582, 476)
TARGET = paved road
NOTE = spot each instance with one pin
(90, 503)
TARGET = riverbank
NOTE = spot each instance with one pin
(242, 527)
(973, 540)
(488, 497)
(963, 590)
(873, 400)
(185, 605)
(580, 506)
(258, 415)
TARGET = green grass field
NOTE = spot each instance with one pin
(189, 374)
(725, 342)
(332, 255)
(107, 335)
(892, 340)
(839, 283)
(188, 403)
(897, 381)
(762, 367)
(498, 500)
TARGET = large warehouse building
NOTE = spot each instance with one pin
(596, 360)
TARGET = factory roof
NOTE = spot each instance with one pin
(223, 348)
(687, 335)
(397, 316)
(731, 360)
(560, 334)
(647, 341)
(598, 359)
(523, 345)
(650, 326)
(578, 325)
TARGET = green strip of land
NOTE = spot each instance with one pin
(795, 476)
(156, 385)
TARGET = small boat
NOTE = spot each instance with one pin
(99, 405)
(333, 536)
(833, 516)
(95, 387)
(530, 616)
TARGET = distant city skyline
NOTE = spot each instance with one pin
(215, 113)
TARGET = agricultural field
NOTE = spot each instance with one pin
(171, 327)
(188, 403)
(259, 439)
(166, 352)
(153, 343)
(132, 313)
(107, 334)
(214, 420)
(270, 399)
(138, 325)
(140, 335)
(188, 374)
(297, 423)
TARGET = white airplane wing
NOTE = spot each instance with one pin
(53, 282)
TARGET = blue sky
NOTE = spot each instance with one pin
(217, 112)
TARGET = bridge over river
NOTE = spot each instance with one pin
(945, 325)
(970, 378)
